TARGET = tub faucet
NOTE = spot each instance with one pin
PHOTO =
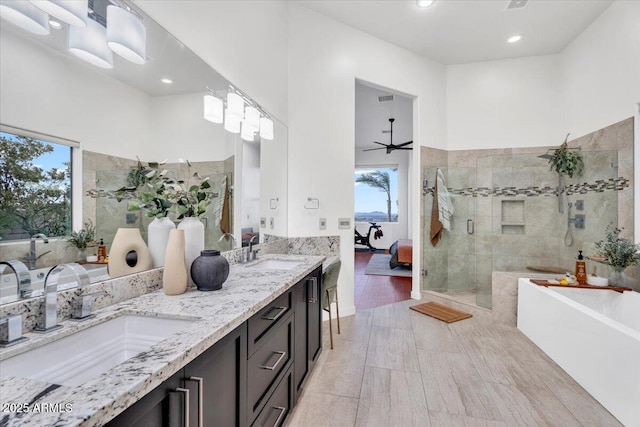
(49, 319)
(32, 258)
(23, 278)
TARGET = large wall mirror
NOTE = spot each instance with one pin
(114, 118)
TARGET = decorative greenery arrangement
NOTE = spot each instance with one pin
(153, 198)
(566, 162)
(84, 237)
(191, 197)
(138, 176)
(618, 252)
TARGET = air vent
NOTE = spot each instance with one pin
(385, 98)
(517, 4)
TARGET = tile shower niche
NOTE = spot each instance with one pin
(512, 216)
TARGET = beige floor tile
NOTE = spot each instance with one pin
(585, 408)
(514, 406)
(391, 348)
(352, 328)
(433, 334)
(396, 315)
(549, 407)
(391, 398)
(442, 419)
(323, 410)
(340, 370)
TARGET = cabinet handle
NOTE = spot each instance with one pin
(271, 368)
(200, 382)
(283, 410)
(277, 316)
(186, 404)
(314, 290)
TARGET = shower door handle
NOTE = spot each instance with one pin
(469, 226)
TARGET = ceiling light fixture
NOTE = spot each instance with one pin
(73, 12)
(126, 34)
(90, 44)
(514, 39)
(213, 109)
(26, 16)
(424, 3)
(166, 81)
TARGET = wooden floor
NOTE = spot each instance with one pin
(392, 366)
(374, 291)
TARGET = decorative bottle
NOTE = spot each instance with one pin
(581, 270)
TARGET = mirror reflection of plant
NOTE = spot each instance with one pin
(83, 238)
(566, 162)
(619, 252)
(153, 196)
(191, 197)
(137, 176)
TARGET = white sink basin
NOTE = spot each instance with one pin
(277, 264)
(74, 359)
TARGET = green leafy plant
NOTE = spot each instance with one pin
(619, 252)
(137, 176)
(153, 196)
(191, 196)
(566, 162)
(83, 238)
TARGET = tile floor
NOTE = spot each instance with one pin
(392, 366)
(373, 291)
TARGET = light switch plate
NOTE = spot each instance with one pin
(344, 223)
(263, 222)
(271, 223)
(323, 223)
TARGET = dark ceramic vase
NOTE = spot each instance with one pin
(209, 270)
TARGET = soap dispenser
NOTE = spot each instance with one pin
(102, 251)
(581, 270)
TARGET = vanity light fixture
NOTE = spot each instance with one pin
(126, 34)
(235, 106)
(515, 38)
(266, 128)
(166, 81)
(231, 122)
(73, 12)
(424, 3)
(251, 119)
(25, 15)
(213, 109)
(247, 132)
(90, 44)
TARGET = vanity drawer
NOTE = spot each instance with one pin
(279, 404)
(266, 319)
(273, 357)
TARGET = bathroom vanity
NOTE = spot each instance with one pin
(242, 358)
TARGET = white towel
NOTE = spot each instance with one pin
(445, 206)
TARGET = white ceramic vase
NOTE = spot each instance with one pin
(193, 242)
(157, 237)
(129, 253)
(174, 276)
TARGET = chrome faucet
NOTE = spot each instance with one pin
(84, 305)
(253, 254)
(233, 239)
(23, 277)
(11, 330)
(49, 320)
(32, 258)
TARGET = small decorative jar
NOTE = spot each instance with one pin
(210, 270)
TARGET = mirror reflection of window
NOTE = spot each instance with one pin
(376, 194)
(35, 187)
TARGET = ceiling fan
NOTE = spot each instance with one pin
(391, 146)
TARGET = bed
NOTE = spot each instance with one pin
(401, 253)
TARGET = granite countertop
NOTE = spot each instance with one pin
(246, 291)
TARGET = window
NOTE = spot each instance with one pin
(376, 194)
(35, 187)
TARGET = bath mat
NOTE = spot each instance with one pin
(379, 266)
(440, 312)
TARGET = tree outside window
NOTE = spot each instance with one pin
(35, 187)
(376, 194)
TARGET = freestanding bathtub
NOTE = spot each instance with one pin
(594, 335)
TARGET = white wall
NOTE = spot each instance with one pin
(506, 103)
(326, 57)
(245, 41)
(250, 214)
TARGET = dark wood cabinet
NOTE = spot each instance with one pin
(307, 304)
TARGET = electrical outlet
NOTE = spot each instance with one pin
(323, 223)
(271, 223)
(424, 272)
(263, 222)
(580, 205)
(344, 223)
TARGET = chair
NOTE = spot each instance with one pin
(330, 293)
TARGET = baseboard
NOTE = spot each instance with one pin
(344, 311)
(416, 295)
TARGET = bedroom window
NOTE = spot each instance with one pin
(376, 194)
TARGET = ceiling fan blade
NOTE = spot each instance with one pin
(376, 142)
(404, 143)
(403, 148)
(372, 149)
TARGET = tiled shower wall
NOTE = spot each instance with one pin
(510, 195)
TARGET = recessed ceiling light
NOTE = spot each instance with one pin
(55, 24)
(424, 3)
(166, 81)
(514, 39)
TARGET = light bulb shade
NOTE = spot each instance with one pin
(251, 119)
(266, 128)
(26, 16)
(231, 122)
(73, 12)
(126, 35)
(213, 109)
(90, 44)
(247, 132)
(235, 105)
